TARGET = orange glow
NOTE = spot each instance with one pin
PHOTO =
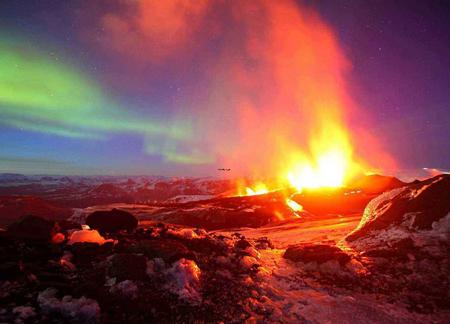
(279, 215)
(259, 189)
(294, 205)
(243, 189)
(330, 165)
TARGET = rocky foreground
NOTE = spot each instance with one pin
(392, 268)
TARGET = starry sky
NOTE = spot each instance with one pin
(185, 87)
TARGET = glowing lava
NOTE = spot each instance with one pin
(293, 205)
(329, 163)
(258, 189)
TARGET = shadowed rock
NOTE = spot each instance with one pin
(319, 253)
(128, 266)
(32, 228)
(112, 221)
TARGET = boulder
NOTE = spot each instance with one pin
(264, 243)
(112, 221)
(319, 253)
(32, 228)
(242, 244)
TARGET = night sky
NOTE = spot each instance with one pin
(137, 87)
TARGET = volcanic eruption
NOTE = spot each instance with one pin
(213, 161)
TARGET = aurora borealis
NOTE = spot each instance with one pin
(184, 87)
(41, 95)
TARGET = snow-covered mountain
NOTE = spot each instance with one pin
(82, 191)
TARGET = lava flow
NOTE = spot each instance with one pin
(330, 165)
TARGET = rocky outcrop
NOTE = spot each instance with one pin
(404, 240)
(421, 206)
(158, 274)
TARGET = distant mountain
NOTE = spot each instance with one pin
(12, 177)
(84, 191)
(108, 189)
(14, 207)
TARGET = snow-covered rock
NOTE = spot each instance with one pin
(186, 233)
(419, 212)
(188, 198)
(126, 288)
(24, 312)
(87, 236)
(185, 280)
(403, 240)
(81, 310)
(66, 261)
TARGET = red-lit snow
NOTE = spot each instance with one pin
(87, 236)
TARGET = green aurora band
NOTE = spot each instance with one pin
(38, 93)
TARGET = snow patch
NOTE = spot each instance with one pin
(66, 261)
(24, 312)
(185, 283)
(378, 206)
(79, 216)
(154, 266)
(87, 236)
(186, 233)
(188, 198)
(442, 226)
(126, 288)
(82, 309)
